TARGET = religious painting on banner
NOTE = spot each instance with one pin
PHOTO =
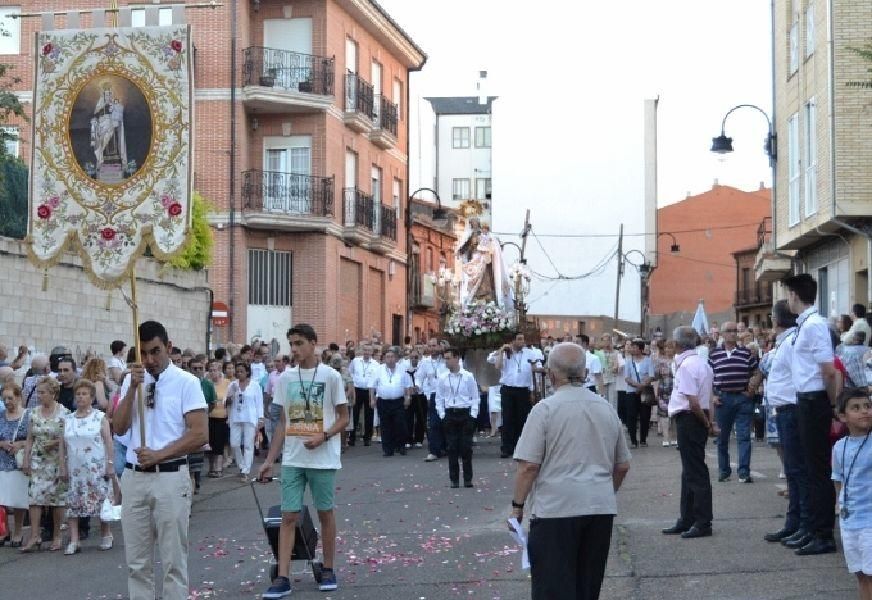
(112, 146)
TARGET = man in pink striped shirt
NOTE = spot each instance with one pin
(689, 404)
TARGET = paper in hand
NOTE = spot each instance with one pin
(517, 533)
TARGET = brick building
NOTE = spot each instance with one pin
(753, 301)
(709, 228)
(304, 155)
(591, 325)
(822, 214)
(433, 251)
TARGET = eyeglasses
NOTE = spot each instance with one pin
(150, 395)
(730, 330)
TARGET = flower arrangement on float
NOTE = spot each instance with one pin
(479, 325)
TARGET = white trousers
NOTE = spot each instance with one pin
(610, 393)
(156, 508)
(242, 434)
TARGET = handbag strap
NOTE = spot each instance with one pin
(18, 426)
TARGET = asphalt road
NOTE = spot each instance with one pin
(405, 535)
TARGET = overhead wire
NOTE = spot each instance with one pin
(614, 235)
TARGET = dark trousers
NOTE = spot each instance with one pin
(738, 409)
(696, 485)
(814, 416)
(459, 427)
(416, 419)
(568, 556)
(361, 403)
(786, 419)
(392, 419)
(622, 407)
(638, 417)
(516, 406)
(435, 433)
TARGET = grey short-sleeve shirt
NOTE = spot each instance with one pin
(576, 438)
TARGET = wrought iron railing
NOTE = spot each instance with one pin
(388, 223)
(358, 209)
(294, 71)
(358, 95)
(745, 297)
(386, 115)
(287, 193)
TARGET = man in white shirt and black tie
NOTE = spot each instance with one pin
(362, 370)
(390, 391)
(814, 379)
(429, 370)
(515, 363)
(457, 403)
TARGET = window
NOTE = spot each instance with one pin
(483, 188)
(164, 16)
(376, 185)
(269, 278)
(793, 169)
(395, 193)
(10, 44)
(482, 137)
(398, 98)
(809, 29)
(460, 189)
(460, 137)
(810, 158)
(793, 39)
(10, 140)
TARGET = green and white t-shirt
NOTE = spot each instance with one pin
(309, 398)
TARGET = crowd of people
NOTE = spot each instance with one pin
(69, 435)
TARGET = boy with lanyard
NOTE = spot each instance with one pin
(314, 411)
(852, 474)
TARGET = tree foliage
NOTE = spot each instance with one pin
(198, 250)
(866, 54)
(13, 171)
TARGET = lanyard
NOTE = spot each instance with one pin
(798, 327)
(306, 394)
(452, 388)
(844, 512)
(390, 373)
(635, 370)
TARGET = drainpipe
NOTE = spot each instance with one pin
(232, 276)
(830, 108)
(774, 127)
(409, 71)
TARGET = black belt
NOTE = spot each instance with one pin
(811, 395)
(516, 387)
(738, 391)
(389, 399)
(166, 467)
(784, 408)
(467, 409)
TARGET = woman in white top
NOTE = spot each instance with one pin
(245, 416)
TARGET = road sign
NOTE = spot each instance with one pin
(220, 314)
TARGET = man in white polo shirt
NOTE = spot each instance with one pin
(457, 403)
(362, 370)
(814, 378)
(390, 391)
(515, 363)
(156, 485)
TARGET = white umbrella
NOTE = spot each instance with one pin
(700, 321)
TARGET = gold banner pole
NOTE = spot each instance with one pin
(140, 397)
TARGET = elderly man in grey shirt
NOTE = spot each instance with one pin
(572, 458)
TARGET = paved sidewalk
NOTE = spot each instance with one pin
(405, 535)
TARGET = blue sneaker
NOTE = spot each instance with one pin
(281, 588)
(328, 581)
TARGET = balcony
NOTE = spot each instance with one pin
(359, 113)
(287, 201)
(358, 216)
(384, 133)
(754, 297)
(770, 264)
(284, 81)
(385, 229)
(423, 294)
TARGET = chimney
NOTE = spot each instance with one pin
(482, 95)
(715, 184)
(762, 185)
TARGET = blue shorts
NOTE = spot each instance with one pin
(322, 483)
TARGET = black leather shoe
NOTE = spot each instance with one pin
(797, 540)
(455, 484)
(696, 532)
(402, 451)
(467, 484)
(674, 530)
(504, 455)
(817, 546)
(779, 535)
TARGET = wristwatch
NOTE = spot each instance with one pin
(517, 504)
(326, 436)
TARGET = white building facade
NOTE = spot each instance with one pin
(462, 154)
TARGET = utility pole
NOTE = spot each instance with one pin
(620, 272)
(520, 304)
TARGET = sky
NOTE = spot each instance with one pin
(567, 128)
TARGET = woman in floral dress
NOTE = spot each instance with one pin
(89, 463)
(45, 462)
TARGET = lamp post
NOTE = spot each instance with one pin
(724, 145)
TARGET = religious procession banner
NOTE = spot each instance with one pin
(112, 144)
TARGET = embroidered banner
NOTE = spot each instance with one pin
(112, 143)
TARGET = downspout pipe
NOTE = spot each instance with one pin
(409, 72)
(232, 179)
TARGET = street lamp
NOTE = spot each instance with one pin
(674, 248)
(439, 214)
(724, 145)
